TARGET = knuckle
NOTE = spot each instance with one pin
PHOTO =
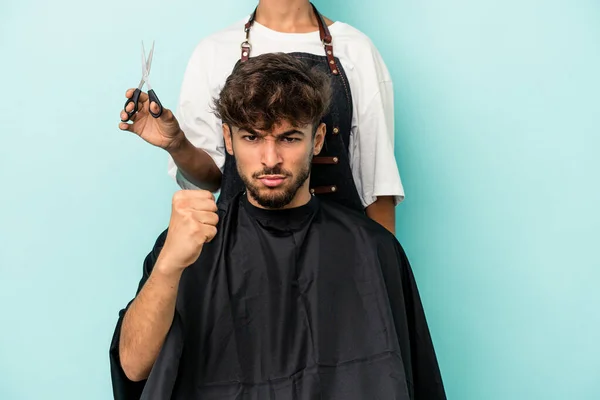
(180, 198)
(177, 196)
(195, 226)
(200, 237)
(211, 218)
(211, 230)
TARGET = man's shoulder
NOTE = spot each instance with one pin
(352, 221)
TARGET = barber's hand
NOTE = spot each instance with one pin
(193, 223)
(163, 131)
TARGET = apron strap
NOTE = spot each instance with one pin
(246, 46)
(324, 34)
(326, 39)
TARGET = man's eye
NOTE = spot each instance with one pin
(289, 139)
(250, 138)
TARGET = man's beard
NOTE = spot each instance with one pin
(276, 197)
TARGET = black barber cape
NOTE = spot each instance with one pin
(316, 302)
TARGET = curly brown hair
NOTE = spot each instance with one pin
(271, 88)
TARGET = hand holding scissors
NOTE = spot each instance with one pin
(162, 129)
(146, 65)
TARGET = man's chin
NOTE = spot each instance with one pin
(271, 197)
(272, 200)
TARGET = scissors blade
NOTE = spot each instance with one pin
(149, 61)
(141, 85)
(144, 66)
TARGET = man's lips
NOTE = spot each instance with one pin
(271, 180)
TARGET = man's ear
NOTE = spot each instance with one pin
(319, 138)
(227, 137)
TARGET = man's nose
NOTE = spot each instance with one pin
(270, 154)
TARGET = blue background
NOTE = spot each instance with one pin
(497, 140)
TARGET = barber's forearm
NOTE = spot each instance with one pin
(383, 211)
(196, 165)
(147, 322)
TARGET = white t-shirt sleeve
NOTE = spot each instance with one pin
(373, 162)
(194, 112)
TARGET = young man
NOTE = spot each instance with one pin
(276, 294)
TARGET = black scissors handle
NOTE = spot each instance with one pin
(134, 99)
(154, 98)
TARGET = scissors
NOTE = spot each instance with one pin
(146, 64)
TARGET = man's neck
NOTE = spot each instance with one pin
(288, 16)
(301, 199)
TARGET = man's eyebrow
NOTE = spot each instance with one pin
(290, 132)
(249, 130)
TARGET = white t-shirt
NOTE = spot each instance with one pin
(371, 144)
